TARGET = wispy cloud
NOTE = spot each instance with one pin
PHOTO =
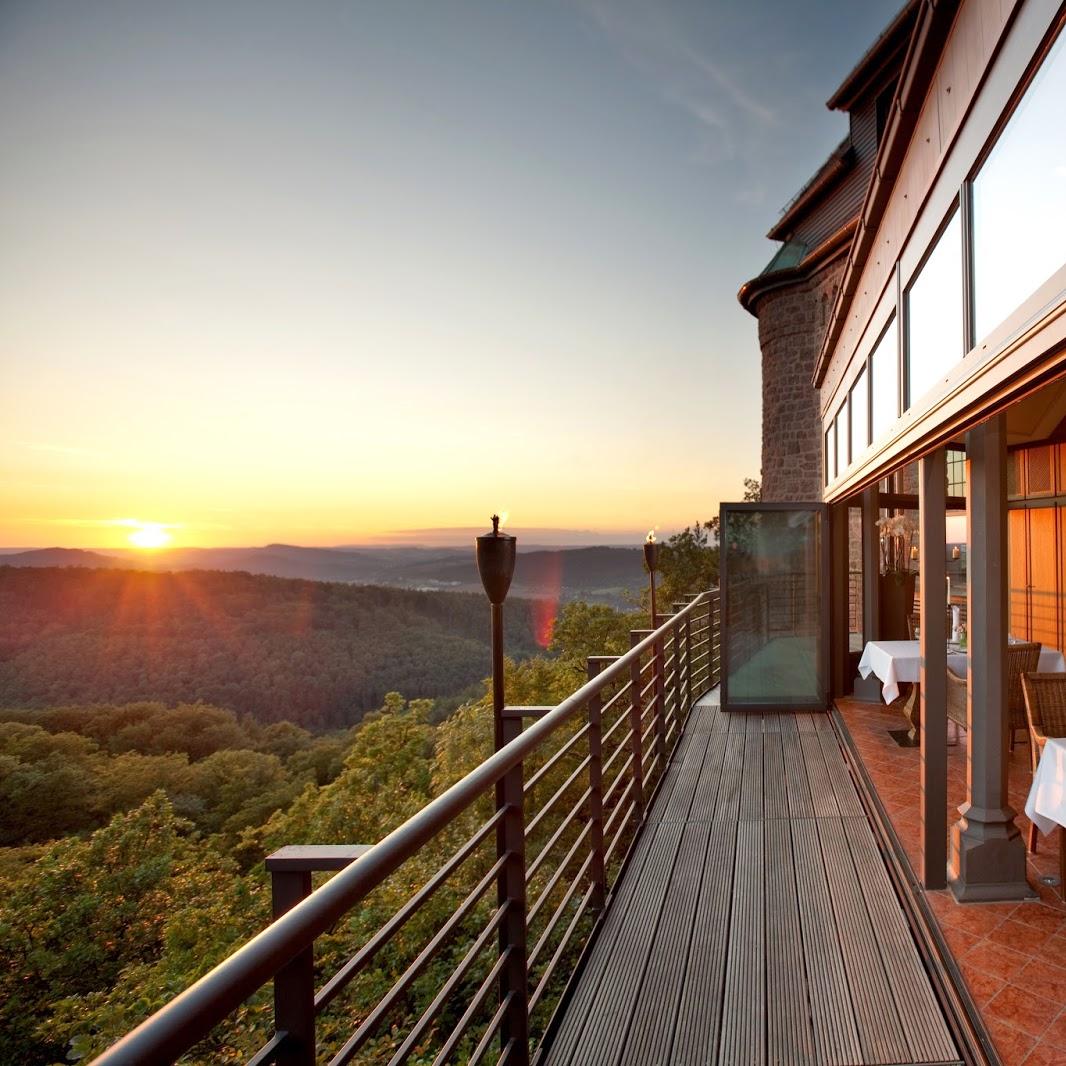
(651, 38)
(65, 449)
(111, 523)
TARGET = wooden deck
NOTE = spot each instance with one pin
(756, 922)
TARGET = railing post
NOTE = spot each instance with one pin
(511, 893)
(635, 637)
(290, 871)
(294, 983)
(660, 693)
(597, 867)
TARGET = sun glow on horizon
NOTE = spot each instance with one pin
(149, 535)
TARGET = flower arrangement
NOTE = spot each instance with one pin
(897, 537)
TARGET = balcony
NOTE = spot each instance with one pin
(635, 876)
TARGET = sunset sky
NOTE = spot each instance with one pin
(320, 271)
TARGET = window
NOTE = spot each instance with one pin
(884, 381)
(859, 406)
(956, 472)
(840, 432)
(1019, 200)
(934, 314)
(830, 455)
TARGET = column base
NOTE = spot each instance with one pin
(987, 860)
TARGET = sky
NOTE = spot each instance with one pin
(324, 272)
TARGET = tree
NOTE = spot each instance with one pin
(87, 921)
(688, 563)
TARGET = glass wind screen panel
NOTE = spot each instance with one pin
(1019, 199)
(772, 595)
(934, 314)
(860, 426)
(884, 379)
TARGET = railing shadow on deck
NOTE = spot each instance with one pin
(489, 974)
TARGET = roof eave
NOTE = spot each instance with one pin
(835, 245)
(823, 182)
(881, 55)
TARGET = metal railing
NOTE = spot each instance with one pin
(547, 821)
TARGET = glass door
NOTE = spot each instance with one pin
(775, 606)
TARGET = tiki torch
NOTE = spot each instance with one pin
(651, 561)
(495, 553)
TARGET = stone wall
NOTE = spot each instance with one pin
(792, 322)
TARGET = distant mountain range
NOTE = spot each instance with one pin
(603, 574)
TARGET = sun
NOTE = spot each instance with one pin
(149, 535)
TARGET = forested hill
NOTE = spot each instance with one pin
(315, 653)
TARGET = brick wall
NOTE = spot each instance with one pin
(792, 322)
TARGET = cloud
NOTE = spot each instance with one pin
(65, 449)
(110, 523)
(651, 40)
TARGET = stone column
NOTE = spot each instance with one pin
(987, 851)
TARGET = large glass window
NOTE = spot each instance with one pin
(830, 455)
(1019, 199)
(840, 432)
(859, 407)
(884, 381)
(934, 314)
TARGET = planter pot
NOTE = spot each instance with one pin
(896, 605)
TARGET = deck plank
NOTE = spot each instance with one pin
(699, 1018)
(756, 922)
(654, 1011)
(880, 1030)
(775, 796)
(744, 1008)
(751, 795)
(789, 1037)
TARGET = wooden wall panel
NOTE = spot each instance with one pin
(1018, 573)
(1043, 577)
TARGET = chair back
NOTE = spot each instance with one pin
(1045, 708)
(1021, 659)
(956, 699)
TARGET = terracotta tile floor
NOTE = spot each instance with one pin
(1012, 955)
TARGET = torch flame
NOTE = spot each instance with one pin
(651, 536)
(504, 515)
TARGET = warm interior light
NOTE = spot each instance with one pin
(149, 535)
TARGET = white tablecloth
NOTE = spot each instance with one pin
(898, 661)
(1046, 805)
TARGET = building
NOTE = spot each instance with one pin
(915, 310)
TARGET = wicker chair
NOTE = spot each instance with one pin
(1021, 659)
(1045, 708)
(957, 699)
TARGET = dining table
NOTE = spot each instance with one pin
(899, 662)
(1046, 805)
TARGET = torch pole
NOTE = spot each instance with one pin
(497, 675)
